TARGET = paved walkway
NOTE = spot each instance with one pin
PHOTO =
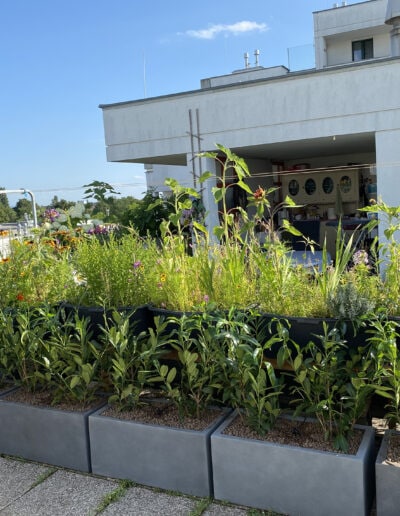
(32, 489)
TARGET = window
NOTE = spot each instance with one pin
(363, 49)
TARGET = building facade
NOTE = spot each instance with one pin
(317, 133)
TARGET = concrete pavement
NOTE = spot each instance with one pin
(32, 489)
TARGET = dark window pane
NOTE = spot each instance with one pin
(363, 49)
(369, 49)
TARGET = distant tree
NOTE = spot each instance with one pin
(119, 207)
(7, 214)
(145, 220)
(4, 199)
(61, 204)
(23, 206)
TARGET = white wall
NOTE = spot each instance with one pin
(349, 100)
(388, 165)
(156, 175)
(333, 27)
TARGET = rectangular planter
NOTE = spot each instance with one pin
(158, 456)
(387, 481)
(43, 434)
(290, 479)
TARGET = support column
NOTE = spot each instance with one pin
(393, 18)
(387, 171)
(209, 165)
(387, 145)
(395, 39)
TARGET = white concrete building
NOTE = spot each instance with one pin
(314, 132)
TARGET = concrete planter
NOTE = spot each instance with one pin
(290, 479)
(304, 329)
(49, 435)
(387, 481)
(158, 456)
(140, 318)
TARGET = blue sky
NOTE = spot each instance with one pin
(60, 59)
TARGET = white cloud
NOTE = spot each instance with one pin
(234, 29)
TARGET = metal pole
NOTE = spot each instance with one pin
(192, 147)
(23, 191)
(198, 141)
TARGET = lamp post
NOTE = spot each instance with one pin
(23, 191)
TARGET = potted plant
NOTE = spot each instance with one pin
(387, 217)
(35, 272)
(192, 270)
(254, 458)
(112, 274)
(55, 371)
(339, 295)
(159, 440)
(241, 271)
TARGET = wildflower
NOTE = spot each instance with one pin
(78, 278)
(51, 215)
(206, 298)
(137, 264)
(187, 213)
(163, 277)
(360, 257)
(98, 230)
(259, 194)
(20, 297)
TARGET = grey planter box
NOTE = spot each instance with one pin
(158, 456)
(387, 482)
(290, 479)
(49, 435)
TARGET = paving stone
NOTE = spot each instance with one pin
(140, 501)
(17, 477)
(63, 493)
(224, 510)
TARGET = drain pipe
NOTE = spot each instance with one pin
(23, 191)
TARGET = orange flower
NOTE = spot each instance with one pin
(20, 297)
(259, 193)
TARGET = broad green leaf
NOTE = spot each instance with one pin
(218, 232)
(74, 382)
(218, 193)
(205, 176)
(244, 186)
(171, 375)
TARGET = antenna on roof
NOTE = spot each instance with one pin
(144, 76)
(257, 55)
(246, 60)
